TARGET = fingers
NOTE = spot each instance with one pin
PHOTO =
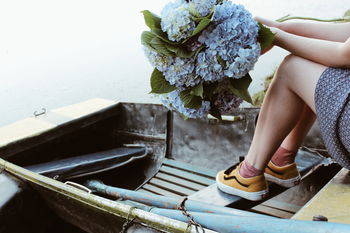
(267, 22)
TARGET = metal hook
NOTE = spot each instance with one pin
(36, 113)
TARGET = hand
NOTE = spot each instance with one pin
(272, 25)
(268, 22)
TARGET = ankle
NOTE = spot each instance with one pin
(247, 170)
(283, 157)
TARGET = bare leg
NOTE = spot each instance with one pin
(294, 139)
(292, 89)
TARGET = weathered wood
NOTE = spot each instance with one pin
(293, 199)
(333, 201)
(171, 187)
(305, 161)
(188, 167)
(272, 211)
(187, 175)
(145, 191)
(179, 181)
(160, 191)
(281, 205)
(34, 131)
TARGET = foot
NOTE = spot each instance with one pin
(231, 182)
(286, 176)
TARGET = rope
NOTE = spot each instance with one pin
(190, 218)
(128, 221)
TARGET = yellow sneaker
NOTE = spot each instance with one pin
(231, 182)
(286, 176)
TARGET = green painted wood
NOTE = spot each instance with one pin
(179, 181)
(171, 187)
(187, 175)
(190, 168)
(159, 191)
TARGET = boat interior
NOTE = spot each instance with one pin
(142, 147)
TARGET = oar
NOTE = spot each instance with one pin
(231, 224)
(166, 202)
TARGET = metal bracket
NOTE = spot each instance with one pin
(36, 113)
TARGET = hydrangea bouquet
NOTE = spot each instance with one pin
(202, 51)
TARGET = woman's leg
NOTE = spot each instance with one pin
(294, 139)
(293, 87)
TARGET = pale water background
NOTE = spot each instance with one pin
(55, 53)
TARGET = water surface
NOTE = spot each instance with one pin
(55, 53)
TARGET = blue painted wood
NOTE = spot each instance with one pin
(190, 168)
(187, 175)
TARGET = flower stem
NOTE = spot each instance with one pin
(339, 20)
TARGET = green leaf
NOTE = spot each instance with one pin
(197, 90)
(180, 51)
(146, 38)
(159, 84)
(240, 86)
(163, 36)
(265, 37)
(151, 20)
(189, 100)
(201, 26)
(160, 47)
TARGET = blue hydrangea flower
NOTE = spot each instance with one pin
(208, 66)
(232, 37)
(173, 101)
(176, 20)
(203, 7)
(177, 71)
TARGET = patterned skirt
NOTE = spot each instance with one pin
(332, 101)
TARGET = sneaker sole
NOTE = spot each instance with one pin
(285, 183)
(253, 196)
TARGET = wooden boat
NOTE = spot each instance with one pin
(47, 159)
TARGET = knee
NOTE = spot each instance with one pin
(288, 69)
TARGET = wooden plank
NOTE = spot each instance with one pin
(272, 211)
(159, 191)
(188, 167)
(171, 187)
(22, 129)
(81, 109)
(212, 195)
(187, 175)
(332, 201)
(145, 191)
(179, 181)
(281, 205)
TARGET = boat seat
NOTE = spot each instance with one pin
(332, 201)
(89, 164)
(179, 179)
